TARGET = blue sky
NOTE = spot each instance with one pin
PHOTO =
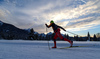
(77, 16)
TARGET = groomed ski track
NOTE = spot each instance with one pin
(24, 49)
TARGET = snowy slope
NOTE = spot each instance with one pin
(20, 49)
(1, 23)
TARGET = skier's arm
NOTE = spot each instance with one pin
(61, 28)
(48, 25)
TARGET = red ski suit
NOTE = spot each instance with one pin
(56, 29)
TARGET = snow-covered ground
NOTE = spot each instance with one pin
(20, 49)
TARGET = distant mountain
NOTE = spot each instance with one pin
(1, 23)
(8, 31)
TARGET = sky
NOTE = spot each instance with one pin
(77, 16)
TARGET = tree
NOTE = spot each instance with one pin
(67, 36)
(31, 34)
(95, 38)
(76, 38)
(88, 36)
(98, 35)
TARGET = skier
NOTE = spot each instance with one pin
(56, 30)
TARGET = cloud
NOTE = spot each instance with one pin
(1, 14)
(84, 24)
(83, 17)
(83, 1)
(35, 13)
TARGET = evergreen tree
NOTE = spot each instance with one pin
(76, 38)
(88, 36)
(95, 38)
(98, 35)
(67, 36)
(31, 34)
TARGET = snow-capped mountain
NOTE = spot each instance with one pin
(50, 33)
(10, 31)
(1, 23)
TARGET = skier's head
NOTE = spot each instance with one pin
(51, 21)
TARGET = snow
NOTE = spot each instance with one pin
(24, 49)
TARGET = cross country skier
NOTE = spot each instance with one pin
(56, 30)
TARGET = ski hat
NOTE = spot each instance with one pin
(51, 21)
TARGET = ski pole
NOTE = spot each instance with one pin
(48, 40)
(72, 33)
(48, 45)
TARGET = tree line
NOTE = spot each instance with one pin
(32, 35)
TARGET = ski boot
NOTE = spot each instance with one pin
(54, 44)
(54, 47)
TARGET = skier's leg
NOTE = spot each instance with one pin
(54, 44)
(65, 39)
(71, 42)
(54, 39)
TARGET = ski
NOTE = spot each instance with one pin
(74, 47)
